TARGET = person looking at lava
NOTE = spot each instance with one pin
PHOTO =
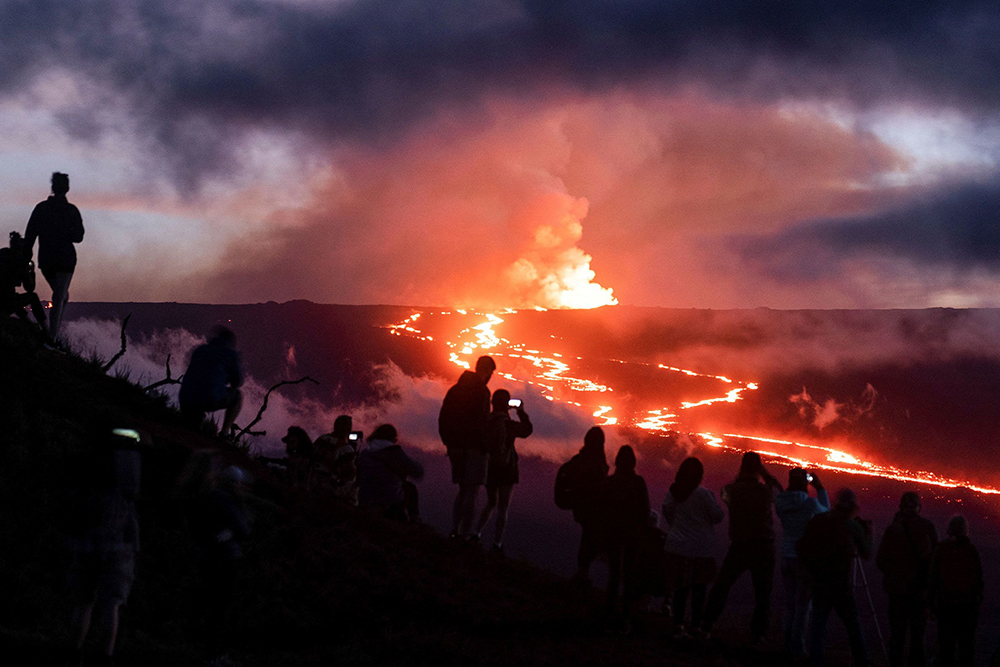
(580, 486)
(626, 512)
(904, 557)
(828, 550)
(750, 498)
(502, 471)
(462, 425)
(212, 382)
(17, 270)
(956, 593)
(795, 509)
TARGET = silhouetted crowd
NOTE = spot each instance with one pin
(818, 559)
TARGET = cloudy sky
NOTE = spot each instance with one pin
(692, 153)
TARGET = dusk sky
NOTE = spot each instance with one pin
(689, 153)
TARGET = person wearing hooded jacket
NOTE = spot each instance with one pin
(383, 470)
(626, 511)
(904, 557)
(795, 509)
(590, 476)
(692, 512)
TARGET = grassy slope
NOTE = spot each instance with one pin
(321, 583)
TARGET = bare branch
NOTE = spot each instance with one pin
(260, 413)
(121, 352)
(165, 381)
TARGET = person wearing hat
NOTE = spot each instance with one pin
(829, 545)
(299, 452)
(904, 557)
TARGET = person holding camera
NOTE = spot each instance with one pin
(828, 549)
(904, 557)
(750, 498)
(502, 471)
(795, 509)
(57, 225)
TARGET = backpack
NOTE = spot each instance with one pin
(566, 485)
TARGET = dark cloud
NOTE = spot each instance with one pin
(198, 73)
(957, 229)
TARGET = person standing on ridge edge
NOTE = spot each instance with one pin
(57, 225)
(462, 425)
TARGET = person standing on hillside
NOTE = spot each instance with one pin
(502, 472)
(904, 556)
(57, 225)
(692, 512)
(462, 425)
(956, 593)
(828, 550)
(795, 509)
(580, 486)
(212, 382)
(626, 512)
(751, 529)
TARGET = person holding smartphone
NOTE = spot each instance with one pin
(795, 509)
(502, 471)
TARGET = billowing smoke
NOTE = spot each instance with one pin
(829, 411)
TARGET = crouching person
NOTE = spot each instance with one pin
(383, 473)
(104, 539)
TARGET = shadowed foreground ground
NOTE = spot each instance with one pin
(321, 583)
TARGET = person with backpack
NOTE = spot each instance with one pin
(57, 225)
(795, 509)
(580, 485)
(383, 473)
(692, 512)
(104, 537)
(831, 543)
(502, 472)
(904, 557)
(750, 499)
(462, 425)
(956, 593)
(626, 513)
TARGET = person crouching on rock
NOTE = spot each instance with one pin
(384, 470)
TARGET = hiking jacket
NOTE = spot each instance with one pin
(464, 413)
(383, 466)
(503, 468)
(692, 523)
(57, 225)
(590, 477)
(213, 369)
(956, 576)
(905, 553)
(795, 509)
(829, 545)
(626, 509)
(750, 517)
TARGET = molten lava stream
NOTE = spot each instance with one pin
(550, 372)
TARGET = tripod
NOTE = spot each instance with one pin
(858, 567)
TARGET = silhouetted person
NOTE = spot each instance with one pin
(338, 459)
(462, 424)
(692, 512)
(300, 457)
(828, 549)
(17, 270)
(104, 538)
(586, 477)
(904, 556)
(956, 593)
(212, 382)
(502, 471)
(221, 523)
(751, 531)
(57, 225)
(383, 471)
(795, 509)
(626, 512)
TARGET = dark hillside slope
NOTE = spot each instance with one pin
(321, 583)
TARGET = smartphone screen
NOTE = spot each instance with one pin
(514, 403)
(354, 436)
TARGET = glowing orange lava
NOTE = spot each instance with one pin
(552, 374)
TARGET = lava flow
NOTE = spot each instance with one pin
(552, 373)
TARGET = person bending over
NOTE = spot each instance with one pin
(212, 382)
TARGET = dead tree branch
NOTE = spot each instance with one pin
(121, 352)
(260, 413)
(165, 381)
